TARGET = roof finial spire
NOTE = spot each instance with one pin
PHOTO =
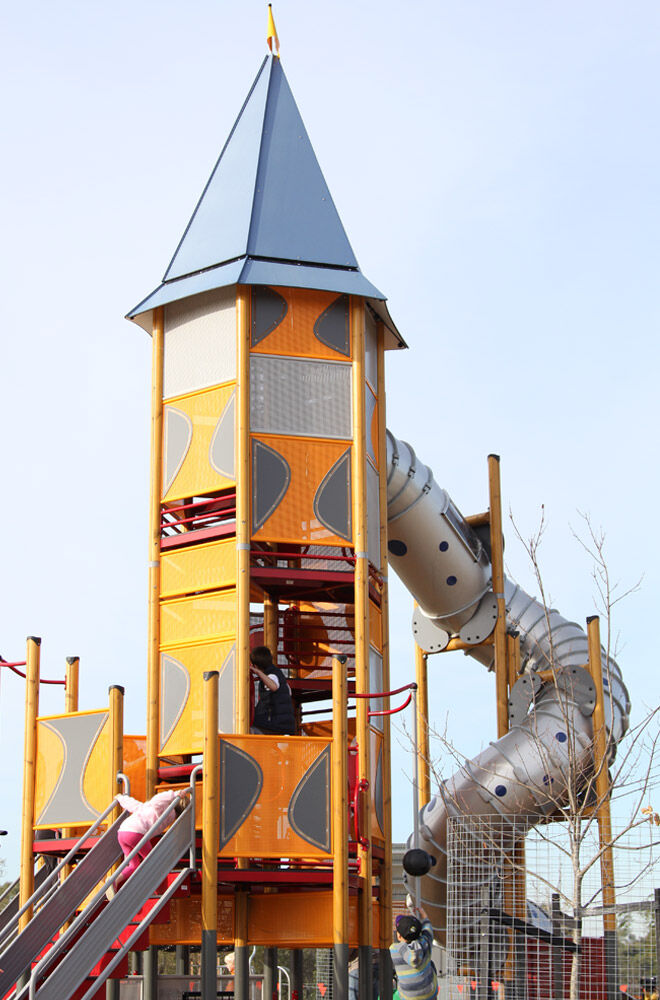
(272, 32)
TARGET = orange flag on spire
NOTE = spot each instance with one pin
(272, 32)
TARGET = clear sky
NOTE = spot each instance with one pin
(496, 167)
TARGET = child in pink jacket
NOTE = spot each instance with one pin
(142, 818)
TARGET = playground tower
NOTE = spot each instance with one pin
(268, 521)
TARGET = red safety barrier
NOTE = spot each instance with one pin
(21, 663)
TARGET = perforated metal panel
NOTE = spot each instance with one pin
(371, 349)
(300, 397)
(371, 423)
(376, 684)
(373, 516)
(200, 342)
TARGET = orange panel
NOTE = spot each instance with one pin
(185, 922)
(267, 830)
(198, 567)
(301, 920)
(203, 410)
(293, 519)
(78, 741)
(198, 619)
(295, 334)
(135, 762)
(375, 631)
(375, 748)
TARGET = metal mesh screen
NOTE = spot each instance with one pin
(518, 926)
(200, 342)
(300, 397)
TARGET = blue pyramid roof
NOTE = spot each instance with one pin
(266, 215)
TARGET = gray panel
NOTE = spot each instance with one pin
(174, 691)
(309, 808)
(178, 433)
(373, 516)
(370, 349)
(332, 327)
(222, 449)
(300, 396)
(67, 803)
(378, 790)
(241, 781)
(369, 409)
(332, 502)
(268, 310)
(226, 682)
(376, 684)
(271, 476)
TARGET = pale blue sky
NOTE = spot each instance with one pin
(496, 167)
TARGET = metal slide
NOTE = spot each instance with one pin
(445, 566)
(75, 953)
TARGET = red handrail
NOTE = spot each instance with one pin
(387, 694)
(21, 663)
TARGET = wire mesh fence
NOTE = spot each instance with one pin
(527, 917)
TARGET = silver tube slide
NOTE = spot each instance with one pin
(446, 568)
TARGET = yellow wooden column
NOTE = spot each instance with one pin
(422, 750)
(243, 510)
(32, 671)
(153, 648)
(116, 695)
(210, 826)
(497, 561)
(603, 815)
(71, 684)
(385, 929)
(71, 697)
(365, 908)
(271, 625)
(339, 790)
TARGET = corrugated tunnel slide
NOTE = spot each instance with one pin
(445, 566)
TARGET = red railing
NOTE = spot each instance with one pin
(22, 663)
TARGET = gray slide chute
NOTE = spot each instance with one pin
(445, 565)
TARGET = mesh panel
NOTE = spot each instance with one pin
(295, 334)
(200, 342)
(373, 516)
(371, 349)
(300, 397)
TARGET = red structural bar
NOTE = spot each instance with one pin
(391, 711)
(387, 694)
(21, 663)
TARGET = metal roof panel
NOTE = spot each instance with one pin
(219, 228)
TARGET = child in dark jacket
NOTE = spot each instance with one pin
(274, 710)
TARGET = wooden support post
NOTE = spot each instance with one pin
(116, 696)
(243, 532)
(32, 671)
(71, 697)
(271, 625)
(497, 562)
(600, 744)
(182, 960)
(385, 888)
(339, 828)
(297, 980)
(269, 987)
(241, 946)
(156, 487)
(210, 825)
(422, 749)
(71, 683)
(365, 921)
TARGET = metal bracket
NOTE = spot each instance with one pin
(428, 636)
(575, 682)
(482, 622)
